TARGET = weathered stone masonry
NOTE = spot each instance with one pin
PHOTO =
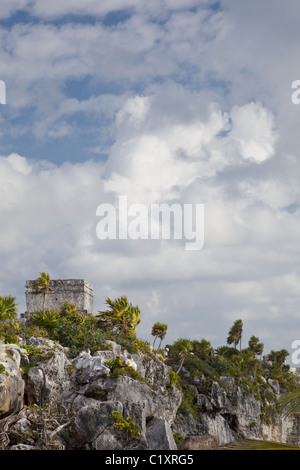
(76, 291)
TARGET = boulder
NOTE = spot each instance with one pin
(94, 424)
(12, 385)
(159, 435)
(46, 381)
(204, 442)
(145, 397)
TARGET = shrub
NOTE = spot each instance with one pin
(46, 319)
(189, 403)
(130, 430)
(174, 380)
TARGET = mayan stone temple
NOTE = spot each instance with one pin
(75, 291)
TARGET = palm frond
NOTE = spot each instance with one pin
(290, 403)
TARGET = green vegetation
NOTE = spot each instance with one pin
(73, 330)
(178, 438)
(42, 286)
(129, 430)
(189, 403)
(3, 370)
(174, 380)
(8, 308)
(9, 328)
(159, 330)
(235, 334)
(118, 367)
(187, 358)
(120, 315)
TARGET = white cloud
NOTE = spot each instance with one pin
(253, 129)
(199, 110)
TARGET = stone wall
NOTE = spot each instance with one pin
(76, 291)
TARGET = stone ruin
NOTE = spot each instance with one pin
(75, 291)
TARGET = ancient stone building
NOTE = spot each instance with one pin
(76, 291)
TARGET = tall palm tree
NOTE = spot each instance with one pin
(180, 350)
(159, 330)
(42, 286)
(162, 333)
(255, 346)
(235, 333)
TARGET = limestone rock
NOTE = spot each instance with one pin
(94, 423)
(204, 442)
(12, 384)
(159, 435)
(46, 382)
(92, 386)
(230, 413)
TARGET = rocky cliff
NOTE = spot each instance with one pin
(225, 410)
(111, 400)
(114, 400)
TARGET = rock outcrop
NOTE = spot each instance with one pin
(229, 413)
(140, 390)
(113, 400)
(12, 384)
(147, 398)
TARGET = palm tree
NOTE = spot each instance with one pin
(42, 286)
(121, 315)
(278, 357)
(159, 330)
(290, 403)
(203, 349)
(181, 349)
(235, 334)
(8, 308)
(255, 346)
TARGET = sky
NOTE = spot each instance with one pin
(168, 101)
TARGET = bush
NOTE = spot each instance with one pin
(189, 403)
(46, 319)
(130, 431)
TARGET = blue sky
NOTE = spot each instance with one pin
(161, 101)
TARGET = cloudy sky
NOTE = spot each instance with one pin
(162, 101)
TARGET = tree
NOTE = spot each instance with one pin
(235, 333)
(180, 350)
(290, 403)
(8, 308)
(278, 357)
(42, 286)
(203, 349)
(159, 330)
(120, 315)
(255, 346)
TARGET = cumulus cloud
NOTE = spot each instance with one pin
(188, 103)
